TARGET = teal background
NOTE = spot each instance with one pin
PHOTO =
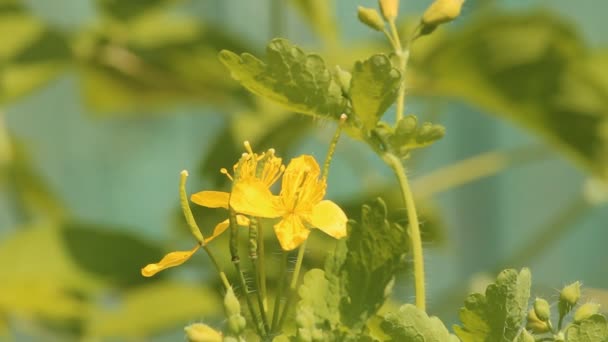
(122, 170)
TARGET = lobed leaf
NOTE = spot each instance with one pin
(594, 328)
(298, 81)
(412, 324)
(498, 315)
(373, 88)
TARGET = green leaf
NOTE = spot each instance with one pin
(156, 60)
(498, 315)
(88, 246)
(152, 309)
(298, 81)
(317, 312)
(364, 265)
(320, 15)
(594, 328)
(407, 135)
(533, 70)
(412, 324)
(374, 86)
(30, 55)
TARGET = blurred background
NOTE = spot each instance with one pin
(104, 102)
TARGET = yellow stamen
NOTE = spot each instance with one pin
(225, 172)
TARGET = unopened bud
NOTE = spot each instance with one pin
(568, 297)
(370, 17)
(442, 11)
(585, 311)
(542, 309)
(535, 324)
(344, 78)
(389, 8)
(199, 332)
(231, 303)
(236, 323)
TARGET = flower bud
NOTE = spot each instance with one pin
(542, 309)
(535, 324)
(585, 311)
(568, 297)
(231, 303)
(442, 11)
(370, 17)
(389, 8)
(199, 332)
(236, 323)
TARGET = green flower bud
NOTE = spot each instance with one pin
(344, 78)
(535, 324)
(585, 311)
(442, 11)
(231, 303)
(407, 125)
(526, 336)
(199, 332)
(542, 309)
(370, 17)
(389, 8)
(568, 297)
(236, 323)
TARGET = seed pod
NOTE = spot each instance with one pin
(370, 17)
(199, 332)
(542, 309)
(389, 8)
(585, 311)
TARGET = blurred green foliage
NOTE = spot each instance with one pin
(81, 280)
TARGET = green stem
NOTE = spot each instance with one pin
(236, 261)
(292, 286)
(254, 257)
(261, 267)
(403, 56)
(280, 288)
(395, 164)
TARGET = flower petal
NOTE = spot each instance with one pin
(222, 226)
(252, 197)
(291, 232)
(170, 260)
(329, 217)
(211, 199)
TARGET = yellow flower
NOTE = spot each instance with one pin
(300, 204)
(265, 168)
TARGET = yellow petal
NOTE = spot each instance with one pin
(211, 199)
(252, 197)
(170, 260)
(222, 226)
(299, 168)
(329, 217)
(291, 232)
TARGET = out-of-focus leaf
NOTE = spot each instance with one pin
(152, 309)
(320, 15)
(108, 253)
(528, 68)
(498, 315)
(373, 88)
(317, 313)
(412, 324)
(407, 135)
(594, 328)
(31, 53)
(365, 263)
(125, 10)
(39, 279)
(156, 60)
(298, 81)
(31, 197)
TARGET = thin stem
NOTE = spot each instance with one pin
(217, 266)
(403, 56)
(395, 164)
(332, 147)
(281, 287)
(292, 286)
(255, 260)
(261, 266)
(236, 261)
